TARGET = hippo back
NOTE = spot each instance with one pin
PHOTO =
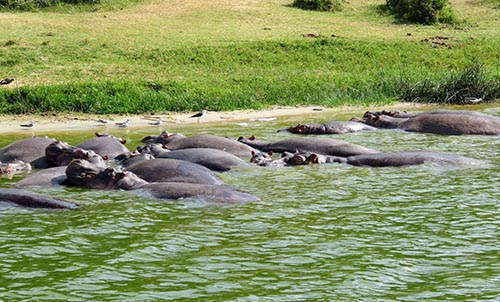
(30, 150)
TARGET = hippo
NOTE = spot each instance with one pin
(409, 158)
(173, 170)
(175, 141)
(30, 150)
(326, 146)
(213, 159)
(404, 114)
(337, 127)
(33, 200)
(49, 177)
(294, 159)
(106, 146)
(126, 159)
(445, 124)
(83, 173)
(60, 154)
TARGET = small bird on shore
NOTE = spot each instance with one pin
(7, 81)
(472, 100)
(199, 115)
(101, 121)
(158, 122)
(123, 124)
(29, 125)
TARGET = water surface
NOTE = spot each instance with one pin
(321, 233)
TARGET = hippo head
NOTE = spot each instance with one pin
(83, 173)
(261, 158)
(104, 134)
(164, 138)
(61, 154)
(300, 129)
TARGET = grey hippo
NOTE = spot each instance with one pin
(336, 127)
(105, 145)
(389, 159)
(30, 150)
(445, 124)
(327, 146)
(173, 170)
(213, 159)
(33, 200)
(176, 141)
(83, 173)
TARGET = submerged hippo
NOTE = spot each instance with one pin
(326, 146)
(173, 170)
(213, 159)
(175, 141)
(106, 146)
(404, 114)
(30, 150)
(83, 173)
(33, 200)
(49, 177)
(410, 158)
(338, 127)
(446, 124)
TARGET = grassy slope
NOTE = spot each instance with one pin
(187, 55)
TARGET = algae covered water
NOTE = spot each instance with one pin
(321, 233)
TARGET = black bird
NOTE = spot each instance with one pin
(7, 81)
(29, 125)
(199, 115)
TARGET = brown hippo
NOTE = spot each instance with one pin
(445, 124)
(106, 146)
(338, 127)
(33, 200)
(410, 158)
(213, 159)
(173, 170)
(30, 150)
(83, 173)
(61, 154)
(326, 146)
(175, 141)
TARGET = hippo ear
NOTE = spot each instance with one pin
(252, 137)
(253, 153)
(313, 159)
(270, 153)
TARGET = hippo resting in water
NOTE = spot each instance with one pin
(326, 146)
(330, 128)
(388, 159)
(213, 159)
(61, 154)
(176, 141)
(33, 200)
(446, 124)
(30, 150)
(82, 173)
(105, 145)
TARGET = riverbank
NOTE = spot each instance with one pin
(71, 122)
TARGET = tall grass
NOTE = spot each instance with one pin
(154, 57)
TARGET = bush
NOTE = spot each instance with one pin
(27, 5)
(319, 5)
(422, 11)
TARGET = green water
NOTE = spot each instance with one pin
(321, 233)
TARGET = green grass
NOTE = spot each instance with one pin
(168, 56)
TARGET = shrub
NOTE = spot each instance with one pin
(319, 5)
(422, 11)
